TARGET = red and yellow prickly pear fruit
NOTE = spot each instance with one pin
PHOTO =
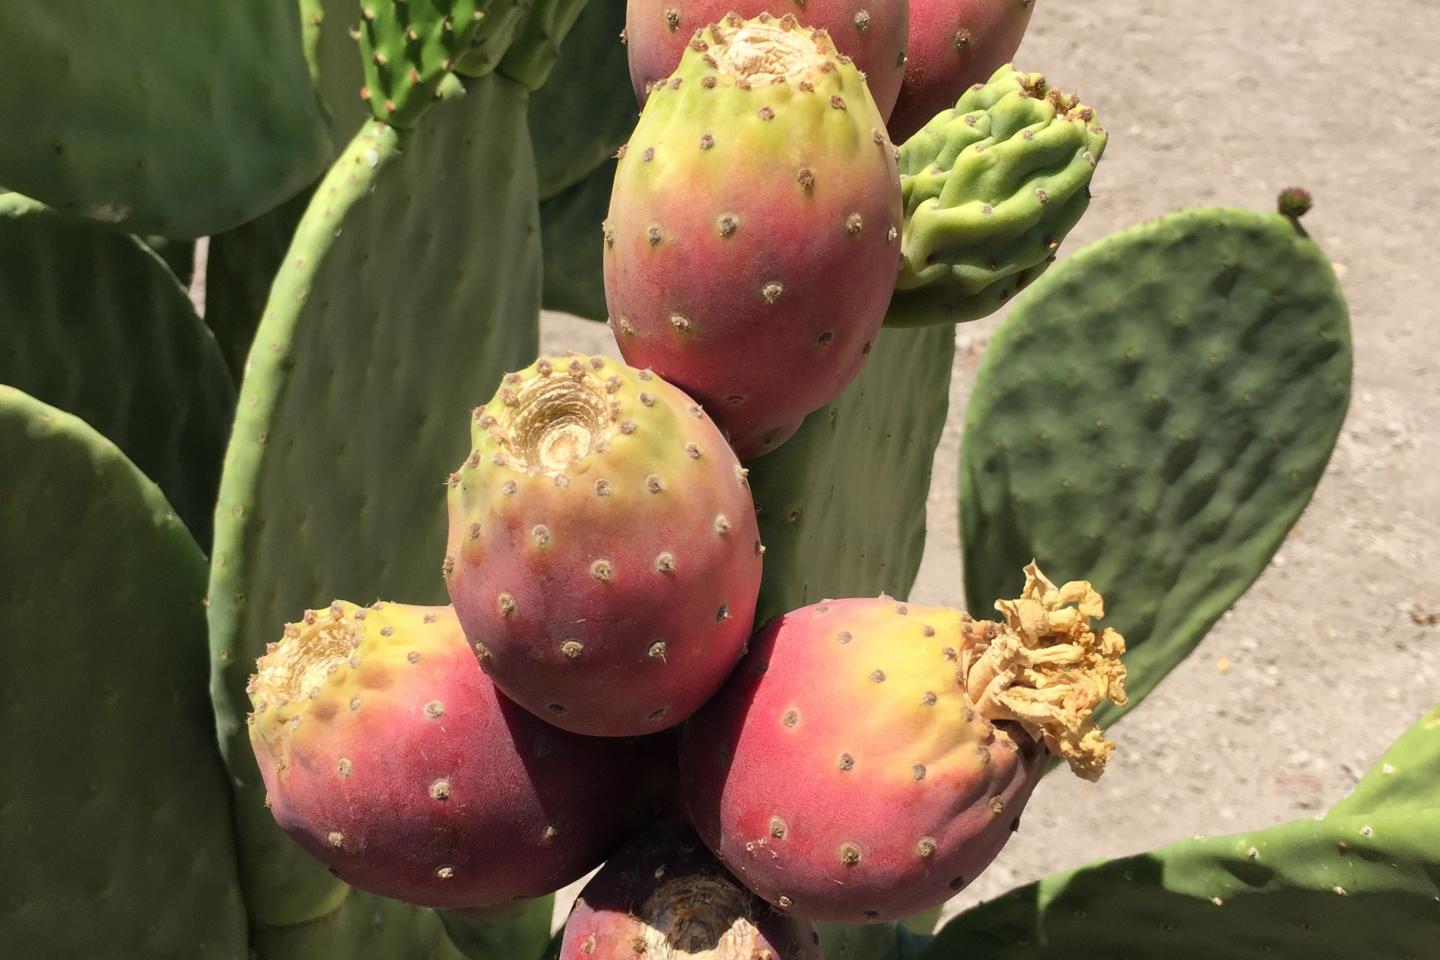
(388, 756)
(953, 45)
(663, 895)
(753, 236)
(603, 558)
(870, 758)
(873, 33)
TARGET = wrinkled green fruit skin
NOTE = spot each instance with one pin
(873, 33)
(753, 234)
(603, 557)
(953, 44)
(991, 188)
(664, 891)
(842, 773)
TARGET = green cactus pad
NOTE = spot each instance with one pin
(412, 284)
(239, 269)
(408, 48)
(1407, 777)
(580, 119)
(536, 44)
(570, 238)
(97, 325)
(329, 31)
(842, 503)
(182, 118)
(179, 255)
(520, 932)
(503, 19)
(114, 816)
(363, 927)
(1153, 418)
(991, 189)
(1329, 888)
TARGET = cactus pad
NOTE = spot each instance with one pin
(578, 121)
(1154, 416)
(1405, 778)
(991, 189)
(1349, 883)
(213, 133)
(114, 820)
(341, 428)
(570, 225)
(409, 47)
(842, 504)
(97, 326)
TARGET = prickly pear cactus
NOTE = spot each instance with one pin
(335, 436)
(891, 747)
(578, 120)
(409, 47)
(114, 813)
(98, 326)
(801, 205)
(570, 229)
(1162, 450)
(842, 504)
(991, 189)
(603, 551)
(216, 131)
(954, 44)
(1343, 884)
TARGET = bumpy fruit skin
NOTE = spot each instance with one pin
(753, 234)
(873, 33)
(954, 44)
(391, 758)
(662, 896)
(870, 758)
(603, 556)
(991, 188)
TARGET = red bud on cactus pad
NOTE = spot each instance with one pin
(871, 32)
(604, 558)
(753, 237)
(391, 758)
(953, 45)
(869, 758)
(664, 897)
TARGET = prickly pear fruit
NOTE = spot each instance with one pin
(873, 33)
(953, 44)
(870, 758)
(991, 188)
(663, 895)
(753, 234)
(603, 557)
(388, 756)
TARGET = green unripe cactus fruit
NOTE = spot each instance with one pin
(991, 188)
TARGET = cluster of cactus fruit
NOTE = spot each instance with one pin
(648, 635)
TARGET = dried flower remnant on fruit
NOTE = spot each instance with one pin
(1047, 669)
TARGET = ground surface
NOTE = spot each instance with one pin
(1224, 103)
